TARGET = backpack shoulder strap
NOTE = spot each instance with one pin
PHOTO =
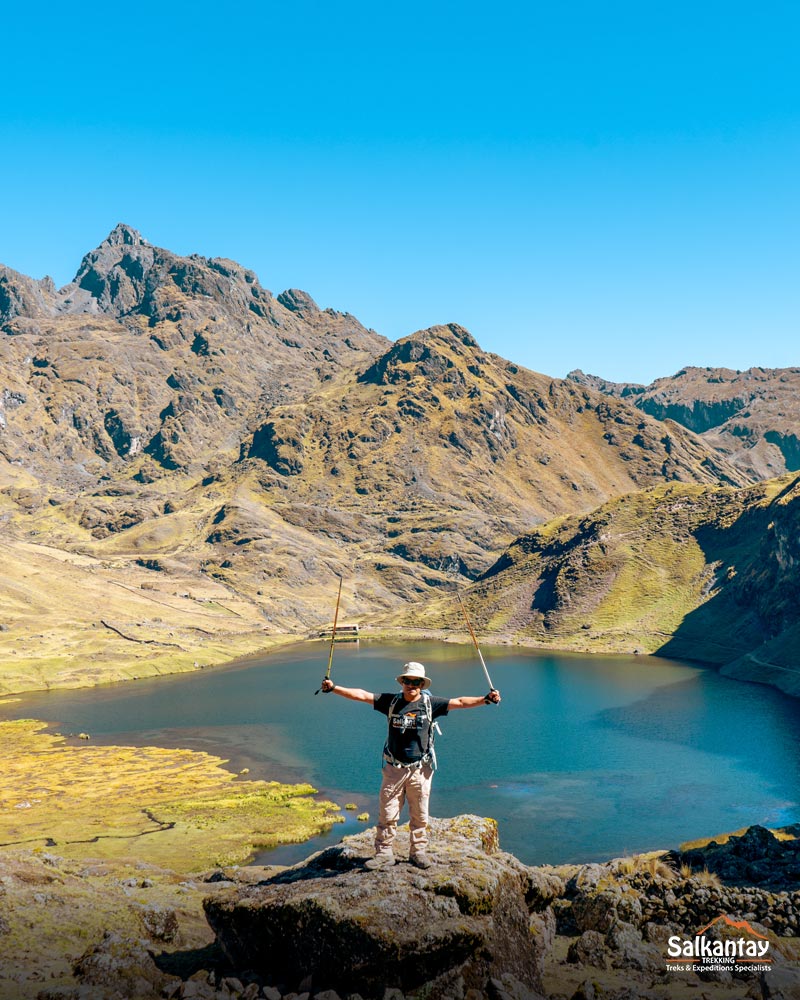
(428, 710)
(432, 727)
(395, 702)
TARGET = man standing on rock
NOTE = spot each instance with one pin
(408, 756)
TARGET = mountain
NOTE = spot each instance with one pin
(752, 417)
(146, 353)
(439, 453)
(188, 463)
(686, 571)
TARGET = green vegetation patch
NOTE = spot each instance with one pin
(178, 808)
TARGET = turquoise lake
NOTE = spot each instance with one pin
(586, 758)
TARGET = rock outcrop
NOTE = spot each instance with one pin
(756, 857)
(435, 933)
(751, 416)
(478, 925)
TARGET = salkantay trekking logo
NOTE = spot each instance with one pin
(723, 953)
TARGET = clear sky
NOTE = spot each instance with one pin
(607, 186)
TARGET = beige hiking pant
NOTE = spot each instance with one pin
(401, 784)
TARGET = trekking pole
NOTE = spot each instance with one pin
(474, 640)
(333, 636)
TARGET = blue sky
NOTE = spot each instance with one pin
(606, 186)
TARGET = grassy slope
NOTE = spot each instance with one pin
(63, 610)
(707, 573)
(65, 596)
(64, 592)
(689, 571)
(388, 481)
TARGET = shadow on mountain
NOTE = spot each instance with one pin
(754, 595)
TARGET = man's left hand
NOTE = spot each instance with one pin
(493, 696)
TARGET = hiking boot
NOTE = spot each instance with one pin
(420, 861)
(381, 860)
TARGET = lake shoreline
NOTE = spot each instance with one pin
(120, 885)
(595, 717)
(16, 681)
(29, 673)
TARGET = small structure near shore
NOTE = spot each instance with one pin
(344, 633)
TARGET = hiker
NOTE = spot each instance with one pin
(408, 756)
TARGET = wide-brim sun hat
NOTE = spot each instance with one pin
(414, 669)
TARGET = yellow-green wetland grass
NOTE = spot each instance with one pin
(111, 837)
(178, 808)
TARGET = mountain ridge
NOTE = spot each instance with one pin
(167, 425)
(750, 416)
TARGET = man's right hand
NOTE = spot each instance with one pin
(327, 686)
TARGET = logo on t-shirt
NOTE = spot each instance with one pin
(408, 720)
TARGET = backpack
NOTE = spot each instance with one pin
(433, 727)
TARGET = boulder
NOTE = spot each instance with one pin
(122, 967)
(631, 952)
(781, 984)
(160, 922)
(599, 910)
(542, 927)
(589, 949)
(464, 921)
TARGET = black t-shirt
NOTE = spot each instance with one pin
(409, 729)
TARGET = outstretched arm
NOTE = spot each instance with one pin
(468, 701)
(354, 694)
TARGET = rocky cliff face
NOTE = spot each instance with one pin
(753, 416)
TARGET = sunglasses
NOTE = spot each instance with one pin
(413, 682)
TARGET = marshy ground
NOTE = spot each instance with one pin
(96, 837)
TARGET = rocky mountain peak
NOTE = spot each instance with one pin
(436, 353)
(126, 276)
(297, 301)
(451, 335)
(123, 234)
(111, 278)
